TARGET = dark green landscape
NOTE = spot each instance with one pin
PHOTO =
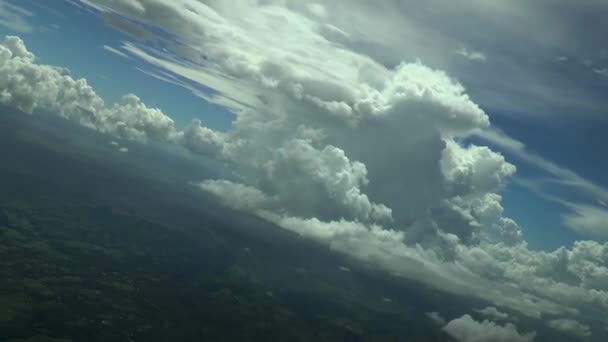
(102, 248)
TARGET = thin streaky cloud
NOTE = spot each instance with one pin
(116, 51)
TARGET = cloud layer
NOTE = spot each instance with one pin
(570, 326)
(328, 142)
(28, 86)
(466, 329)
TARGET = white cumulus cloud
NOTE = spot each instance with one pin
(28, 86)
(466, 329)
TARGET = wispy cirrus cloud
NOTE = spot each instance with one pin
(562, 175)
(15, 17)
(116, 51)
(586, 219)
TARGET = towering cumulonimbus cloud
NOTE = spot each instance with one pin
(330, 133)
(366, 158)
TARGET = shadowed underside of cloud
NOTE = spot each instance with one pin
(336, 147)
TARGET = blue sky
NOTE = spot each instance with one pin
(68, 35)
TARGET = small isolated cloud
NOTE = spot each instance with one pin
(471, 55)
(436, 317)
(466, 329)
(116, 51)
(14, 17)
(601, 71)
(570, 326)
(344, 269)
(118, 147)
(493, 313)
